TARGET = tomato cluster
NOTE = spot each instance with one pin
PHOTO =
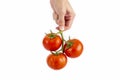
(60, 49)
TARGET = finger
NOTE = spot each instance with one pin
(60, 28)
(55, 16)
(61, 20)
(68, 24)
(68, 21)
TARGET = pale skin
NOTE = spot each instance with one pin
(63, 14)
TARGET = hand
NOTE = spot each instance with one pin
(63, 13)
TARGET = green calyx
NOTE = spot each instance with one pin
(52, 35)
(69, 44)
(56, 52)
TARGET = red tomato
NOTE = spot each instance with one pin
(52, 42)
(57, 62)
(73, 48)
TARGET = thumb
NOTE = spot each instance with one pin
(61, 20)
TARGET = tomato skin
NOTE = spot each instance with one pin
(57, 62)
(53, 43)
(75, 50)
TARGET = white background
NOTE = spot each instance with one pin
(22, 27)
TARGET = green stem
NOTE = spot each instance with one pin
(61, 33)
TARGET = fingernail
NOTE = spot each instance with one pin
(61, 27)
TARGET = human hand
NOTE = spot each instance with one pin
(63, 14)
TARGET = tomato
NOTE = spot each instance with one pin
(57, 62)
(52, 41)
(73, 48)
